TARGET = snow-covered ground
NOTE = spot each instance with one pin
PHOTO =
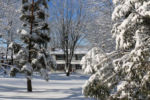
(59, 87)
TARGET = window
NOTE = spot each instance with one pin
(79, 56)
(60, 57)
(60, 66)
(78, 66)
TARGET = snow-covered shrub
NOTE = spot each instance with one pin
(99, 64)
(128, 75)
(89, 61)
(95, 88)
(14, 70)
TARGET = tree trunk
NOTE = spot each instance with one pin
(29, 85)
(7, 52)
(68, 73)
(68, 69)
(12, 58)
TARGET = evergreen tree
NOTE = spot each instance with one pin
(132, 33)
(32, 56)
(125, 73)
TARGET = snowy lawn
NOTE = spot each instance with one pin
(59, 87)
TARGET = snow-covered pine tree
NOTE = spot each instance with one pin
(125, 75)
(132, 33)
(35, 36)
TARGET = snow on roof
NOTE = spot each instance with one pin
(73, 62)
(77, 51)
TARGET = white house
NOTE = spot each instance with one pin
(58, 55)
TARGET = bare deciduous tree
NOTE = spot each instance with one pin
(99, 24)
(9, 23)
(69, 19)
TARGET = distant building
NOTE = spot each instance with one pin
(58, 55)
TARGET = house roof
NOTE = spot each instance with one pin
(77, 51)
(74, 62)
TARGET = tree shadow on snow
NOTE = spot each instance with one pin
(75, 94)
(11, 89)
(62, 76)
